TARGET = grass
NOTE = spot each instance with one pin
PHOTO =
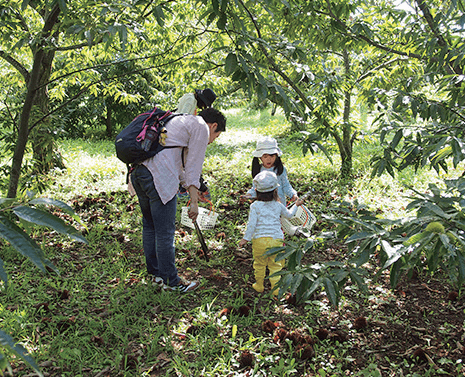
(103, 317)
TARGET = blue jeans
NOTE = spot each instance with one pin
(158, 227)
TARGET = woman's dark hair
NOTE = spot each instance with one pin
(256, 166)
(211, 115)
(268, 196)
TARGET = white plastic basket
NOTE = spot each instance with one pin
(303, 220)
(206, 218)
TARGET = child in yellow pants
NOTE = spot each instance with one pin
(264, 228)
(261, 262)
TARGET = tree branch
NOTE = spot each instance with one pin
(15, 125)
(274, 67)
(118, 62)
(430, 21)
(80, 45)
(160, 5)
(380, 66)
(437, 34)
(271, 62)
(368, 40)
(95, 82)
(19, 67)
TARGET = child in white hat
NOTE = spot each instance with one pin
(264, 228)
(266, 157)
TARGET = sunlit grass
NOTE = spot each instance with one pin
(92, 166)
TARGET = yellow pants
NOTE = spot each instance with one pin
(260, 262)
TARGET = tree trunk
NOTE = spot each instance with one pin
(44, 148)
(31, 97)
(23, 127)
(346, 150)
(108, 120)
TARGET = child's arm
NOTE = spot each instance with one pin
(251, 224)
(251, 194)
(289, 213)
(286, 186)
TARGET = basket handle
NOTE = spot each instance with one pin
(306, 217)
(208, 201)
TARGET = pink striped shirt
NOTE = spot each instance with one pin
(167, 169)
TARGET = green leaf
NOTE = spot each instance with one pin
(315, 285)
(6, 201)
(340, 275)
(445, 240)
(437, 210)
(75, 29)
(285, 282)
(230, 64)
(334, 263)
(159, 15)
(274, 250)
(433, 256)
(216, 6)
(8, 342)
(296, 282)
(330, 289)
(397, 137)
(4, 364)
(39, 217)
(3, 275)
(392, 253)
(59, 204)
(222, 20)
(24, 5)
(361, 258)
(461, 268)
(262, 92)
(63, 6)
(123, 35)
(359, 280)
(22, 242)
(360, 236)
(395, 273)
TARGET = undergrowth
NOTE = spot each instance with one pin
(102, 316)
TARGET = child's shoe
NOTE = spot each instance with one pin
(258, 287)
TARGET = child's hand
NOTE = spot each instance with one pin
(299, 202)
(244, 198)
(242, 242)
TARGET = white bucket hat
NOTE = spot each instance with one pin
(266, 181)
(267, 145)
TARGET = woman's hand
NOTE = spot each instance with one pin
(193, 211)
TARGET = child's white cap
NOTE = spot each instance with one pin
(267, 145)
(266, 181)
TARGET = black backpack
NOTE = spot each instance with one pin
(140, 139)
